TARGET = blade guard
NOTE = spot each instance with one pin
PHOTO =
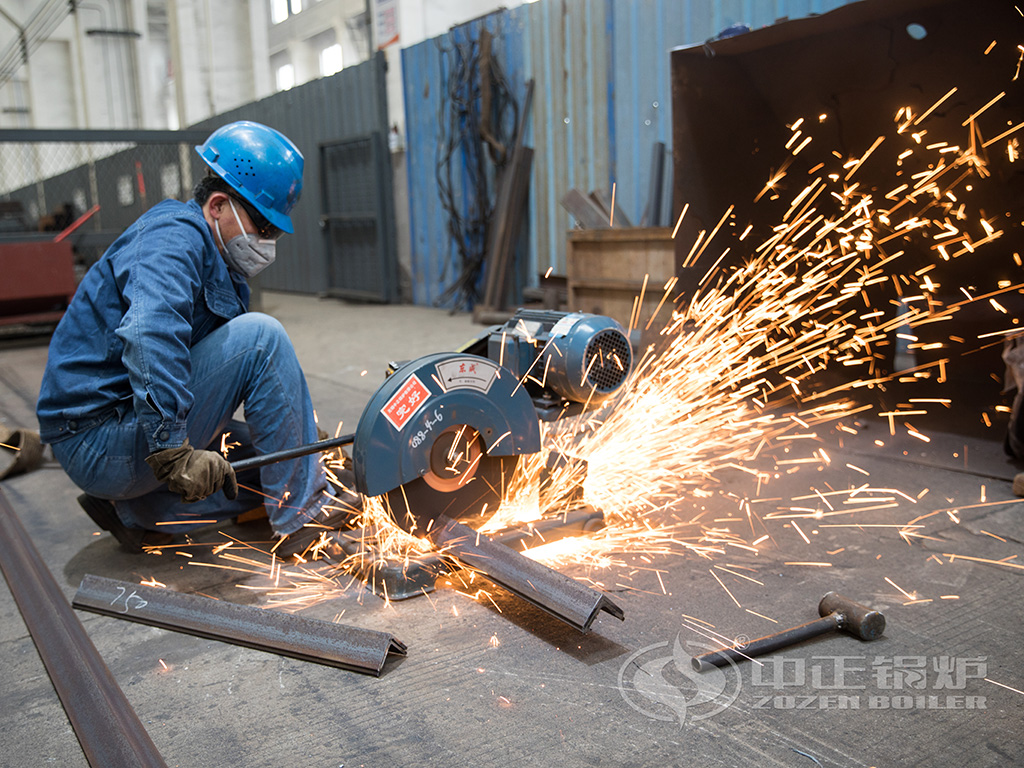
(427, 395)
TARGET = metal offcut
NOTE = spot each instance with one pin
(417, 575)
(338, 645)
(562, 597)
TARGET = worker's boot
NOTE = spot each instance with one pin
(134, 540)
(1018, 484)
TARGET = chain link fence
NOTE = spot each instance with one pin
(96, 182)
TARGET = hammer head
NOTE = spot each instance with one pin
(857, 619)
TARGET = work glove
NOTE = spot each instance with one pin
(193, 474)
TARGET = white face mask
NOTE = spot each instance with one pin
(247, 254)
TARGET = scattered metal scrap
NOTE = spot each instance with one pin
(353, 648)
(109, 731)
(20, 451)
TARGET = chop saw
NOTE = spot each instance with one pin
(441, 438)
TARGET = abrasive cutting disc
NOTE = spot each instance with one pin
(463, 482)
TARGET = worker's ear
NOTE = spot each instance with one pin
(217, 204)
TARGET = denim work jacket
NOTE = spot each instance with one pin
(124, 342)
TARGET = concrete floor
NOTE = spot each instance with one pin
(504, 684)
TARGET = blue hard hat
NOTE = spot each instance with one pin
(261, 164)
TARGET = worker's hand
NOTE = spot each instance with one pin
(193, 474)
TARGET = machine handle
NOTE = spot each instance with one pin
(292, 453)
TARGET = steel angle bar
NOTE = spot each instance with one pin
(352, 648)
(109, 731)
(554, 592)
(414, 576)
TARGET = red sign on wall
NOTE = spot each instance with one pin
(405, 402)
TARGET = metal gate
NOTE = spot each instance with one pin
(361, 260)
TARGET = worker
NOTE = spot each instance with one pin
(158, 350)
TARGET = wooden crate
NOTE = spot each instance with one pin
(606, 269)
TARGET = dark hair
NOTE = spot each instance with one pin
(209, 184)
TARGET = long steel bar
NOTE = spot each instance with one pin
(338, 645)
(107, 727)
(292, 453)
(554, 592)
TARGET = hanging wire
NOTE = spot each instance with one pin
(465, 172)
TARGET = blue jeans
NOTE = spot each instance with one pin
(249, 360)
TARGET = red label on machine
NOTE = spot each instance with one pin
(405, 402)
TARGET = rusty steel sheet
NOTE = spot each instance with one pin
(109, 731)
(338, 645)
(564, 598)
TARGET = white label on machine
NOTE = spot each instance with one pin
(467, 373)
(405, 402)
(565, 325)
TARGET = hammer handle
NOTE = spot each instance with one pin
(766, 644)
(292, 453)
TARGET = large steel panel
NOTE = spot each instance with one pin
(644, 33)
(432, 250)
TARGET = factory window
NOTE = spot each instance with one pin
(285, 75)
(79, 200)
(278, 11)
(330, 60)
(125, 193)
(170, 180)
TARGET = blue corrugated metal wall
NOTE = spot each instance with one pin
(569, 56)
(435, 263)
(603, 98)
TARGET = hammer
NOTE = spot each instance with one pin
(836, 611)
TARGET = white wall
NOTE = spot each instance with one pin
(195, 58)
(297, 38)
(182, 61)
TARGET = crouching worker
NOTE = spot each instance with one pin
(157, 351)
